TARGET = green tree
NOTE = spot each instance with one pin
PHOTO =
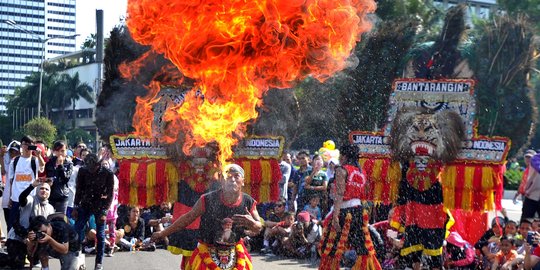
(27, 95)
(73, 89)
(41, 128)
(89, 42)
(503, 54)
(78, 135)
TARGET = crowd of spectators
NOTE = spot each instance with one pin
(62, 202)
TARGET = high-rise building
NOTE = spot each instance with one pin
(29, 28)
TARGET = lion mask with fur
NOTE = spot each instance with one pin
(423, 132)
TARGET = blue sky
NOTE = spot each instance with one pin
(113, 10)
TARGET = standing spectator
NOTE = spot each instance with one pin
(316, 183)
(285, 168)
(112, 213)
(95, 187)
(290, 184)
(313, 207)
(13, 151)
(299, 180)
(72, 183)
(527, 158)
(531, 203)
(78, 155)
(106, 154)
(59, 169)
(23, 170)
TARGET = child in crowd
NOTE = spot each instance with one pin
(459, 253)
(524, 227)
(304, 237)
(506, 258)
(510, 229)
(488, 243)
(281, 231)
(313, 207)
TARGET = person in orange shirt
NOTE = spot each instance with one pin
(505, 259)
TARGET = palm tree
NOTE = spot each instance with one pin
(73, 90)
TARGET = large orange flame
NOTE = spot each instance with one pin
(238, 49)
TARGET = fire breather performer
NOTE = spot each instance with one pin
(346, 226)
(216, 209)
(423, 141)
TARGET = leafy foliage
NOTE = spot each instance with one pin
(73, 89)
(503, 54)
(78, 135)
(41, 128)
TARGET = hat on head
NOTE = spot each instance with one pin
(304, 216)
(234, 168)
(530, 153)
(14, 145)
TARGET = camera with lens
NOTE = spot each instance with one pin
(39, 235)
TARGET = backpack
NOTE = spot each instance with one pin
(32, 164)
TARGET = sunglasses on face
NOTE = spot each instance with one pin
(279, 205)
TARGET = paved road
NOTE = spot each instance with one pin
(163, 260)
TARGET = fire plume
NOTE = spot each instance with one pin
(236, 50)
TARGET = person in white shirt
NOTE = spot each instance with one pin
(22, 172)
(13, 150)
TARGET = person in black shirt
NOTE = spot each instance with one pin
(59, 169)
(58, 239)
(215, 209)
(132, 229)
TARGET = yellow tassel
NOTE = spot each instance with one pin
(247, 177)
(487, 179)
(377, 180)
(264, 190)
(394, 177)
(466, 200)
(133, 198)
(151, 184)
(448, 178)
(172, 180)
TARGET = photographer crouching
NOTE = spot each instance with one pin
(55, 238)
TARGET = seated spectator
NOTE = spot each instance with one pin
(313, 207)
(157, 218)
(281, 231)
(459, 253)
(392, 243)
(304, 237)
(55, 238)
(273, 219)
(510, 229)
(488, 243)
(532, 256)
(132, 231)
(524, 227)
(506, 258)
